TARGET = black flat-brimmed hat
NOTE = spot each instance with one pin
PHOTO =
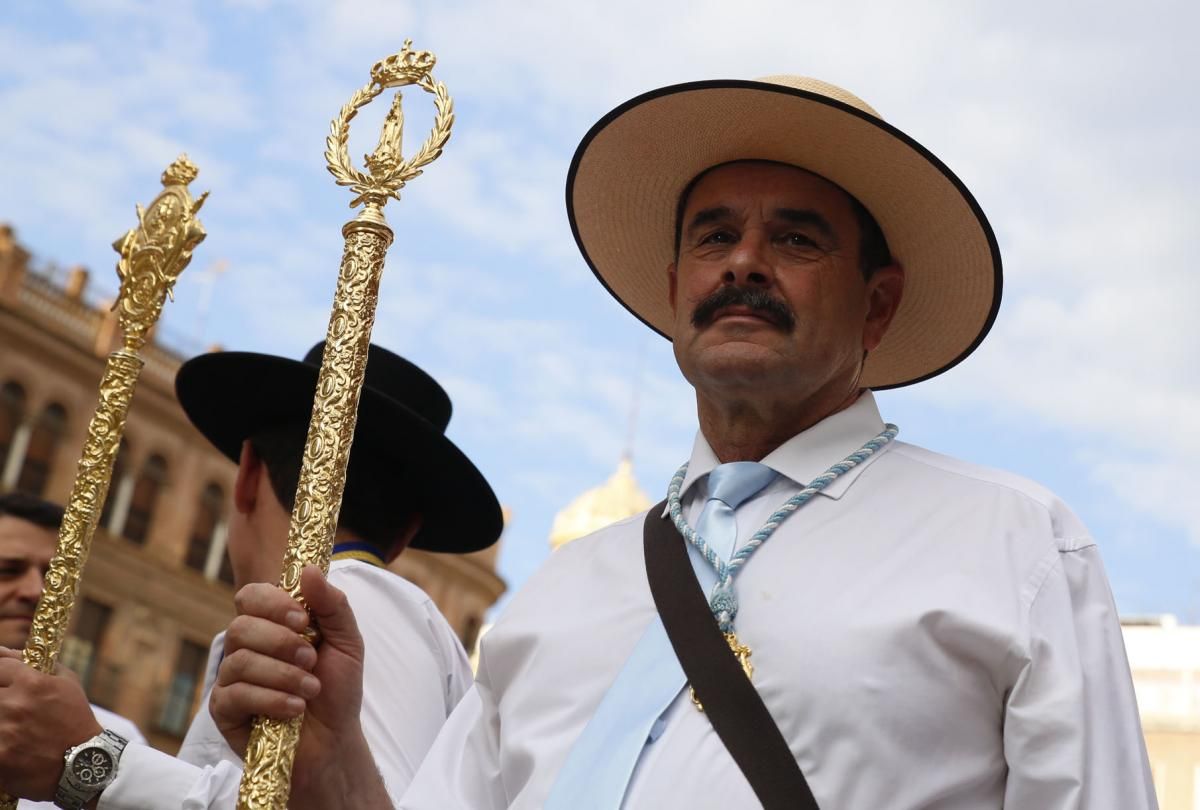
(400, 433)
(627, 174)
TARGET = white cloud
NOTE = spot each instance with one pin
(496, 188)
(1166, 489)
(1072, 129)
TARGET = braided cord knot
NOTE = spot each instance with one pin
(723, 601)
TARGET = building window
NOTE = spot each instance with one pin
(146, 490)
(181, 694)
(47, 434)
(12, 414)
(119, 488)
(81, 646)
(207, 544)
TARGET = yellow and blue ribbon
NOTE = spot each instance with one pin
(357, 550)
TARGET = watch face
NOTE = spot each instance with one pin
(92, 766)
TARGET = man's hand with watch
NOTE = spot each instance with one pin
(90, 767)
(41, 717)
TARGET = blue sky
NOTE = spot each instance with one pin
(1071, 123)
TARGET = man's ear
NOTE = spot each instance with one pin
(672, 285)
(885, 288)
(406, 536)
(245, 486)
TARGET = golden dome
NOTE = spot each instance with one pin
(616, 499)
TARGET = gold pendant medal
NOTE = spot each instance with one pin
(742, 652)
(723, 602)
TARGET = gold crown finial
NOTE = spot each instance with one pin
(387, 169)
(180, 173)
(406, 67)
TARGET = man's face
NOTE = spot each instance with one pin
(788, 239)
(258, 525)
(25, 552)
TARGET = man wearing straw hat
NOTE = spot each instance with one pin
(921, 632)
(404, 482)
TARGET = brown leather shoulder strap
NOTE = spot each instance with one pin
(731, 702)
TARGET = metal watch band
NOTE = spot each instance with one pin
(71, 794)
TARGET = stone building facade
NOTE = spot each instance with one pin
(158, 585)
(1165, 659)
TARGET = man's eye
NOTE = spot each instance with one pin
(8, 571)
(795, 239)
(717, 238)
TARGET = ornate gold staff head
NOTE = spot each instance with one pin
(387, 169)
(155, 252)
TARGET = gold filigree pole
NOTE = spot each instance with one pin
(269, 756)
(152, 256)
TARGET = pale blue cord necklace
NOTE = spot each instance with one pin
(723, 600)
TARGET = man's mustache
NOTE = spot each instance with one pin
(757, 300)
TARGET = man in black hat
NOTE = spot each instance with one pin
(407, 485)
(819, 614)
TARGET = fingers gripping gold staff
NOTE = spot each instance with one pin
(272, 746)
(152, 256)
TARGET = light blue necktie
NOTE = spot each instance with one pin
(597, 770)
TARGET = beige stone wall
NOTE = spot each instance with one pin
(155, 600)
(155, 607)
(54, 346)
(1175, 763)
(1164, 657)
(463, 586)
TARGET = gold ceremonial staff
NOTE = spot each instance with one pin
(267, 778)
(152, 256)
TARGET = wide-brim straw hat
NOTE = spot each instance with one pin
(627, 174)
(399, 437)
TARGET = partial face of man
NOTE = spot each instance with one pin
(258, 527)
(791, 240)
(25, 553)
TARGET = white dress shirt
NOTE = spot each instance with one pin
(926, 633)
(415, 674)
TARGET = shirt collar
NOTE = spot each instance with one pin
(351, 549)
(811, 452)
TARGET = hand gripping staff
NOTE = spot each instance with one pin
(152, 256)
(266, 781)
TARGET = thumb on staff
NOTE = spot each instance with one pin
(331, 612)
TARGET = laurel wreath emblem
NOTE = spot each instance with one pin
(387, 170)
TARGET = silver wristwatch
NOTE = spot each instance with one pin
(91, 767)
